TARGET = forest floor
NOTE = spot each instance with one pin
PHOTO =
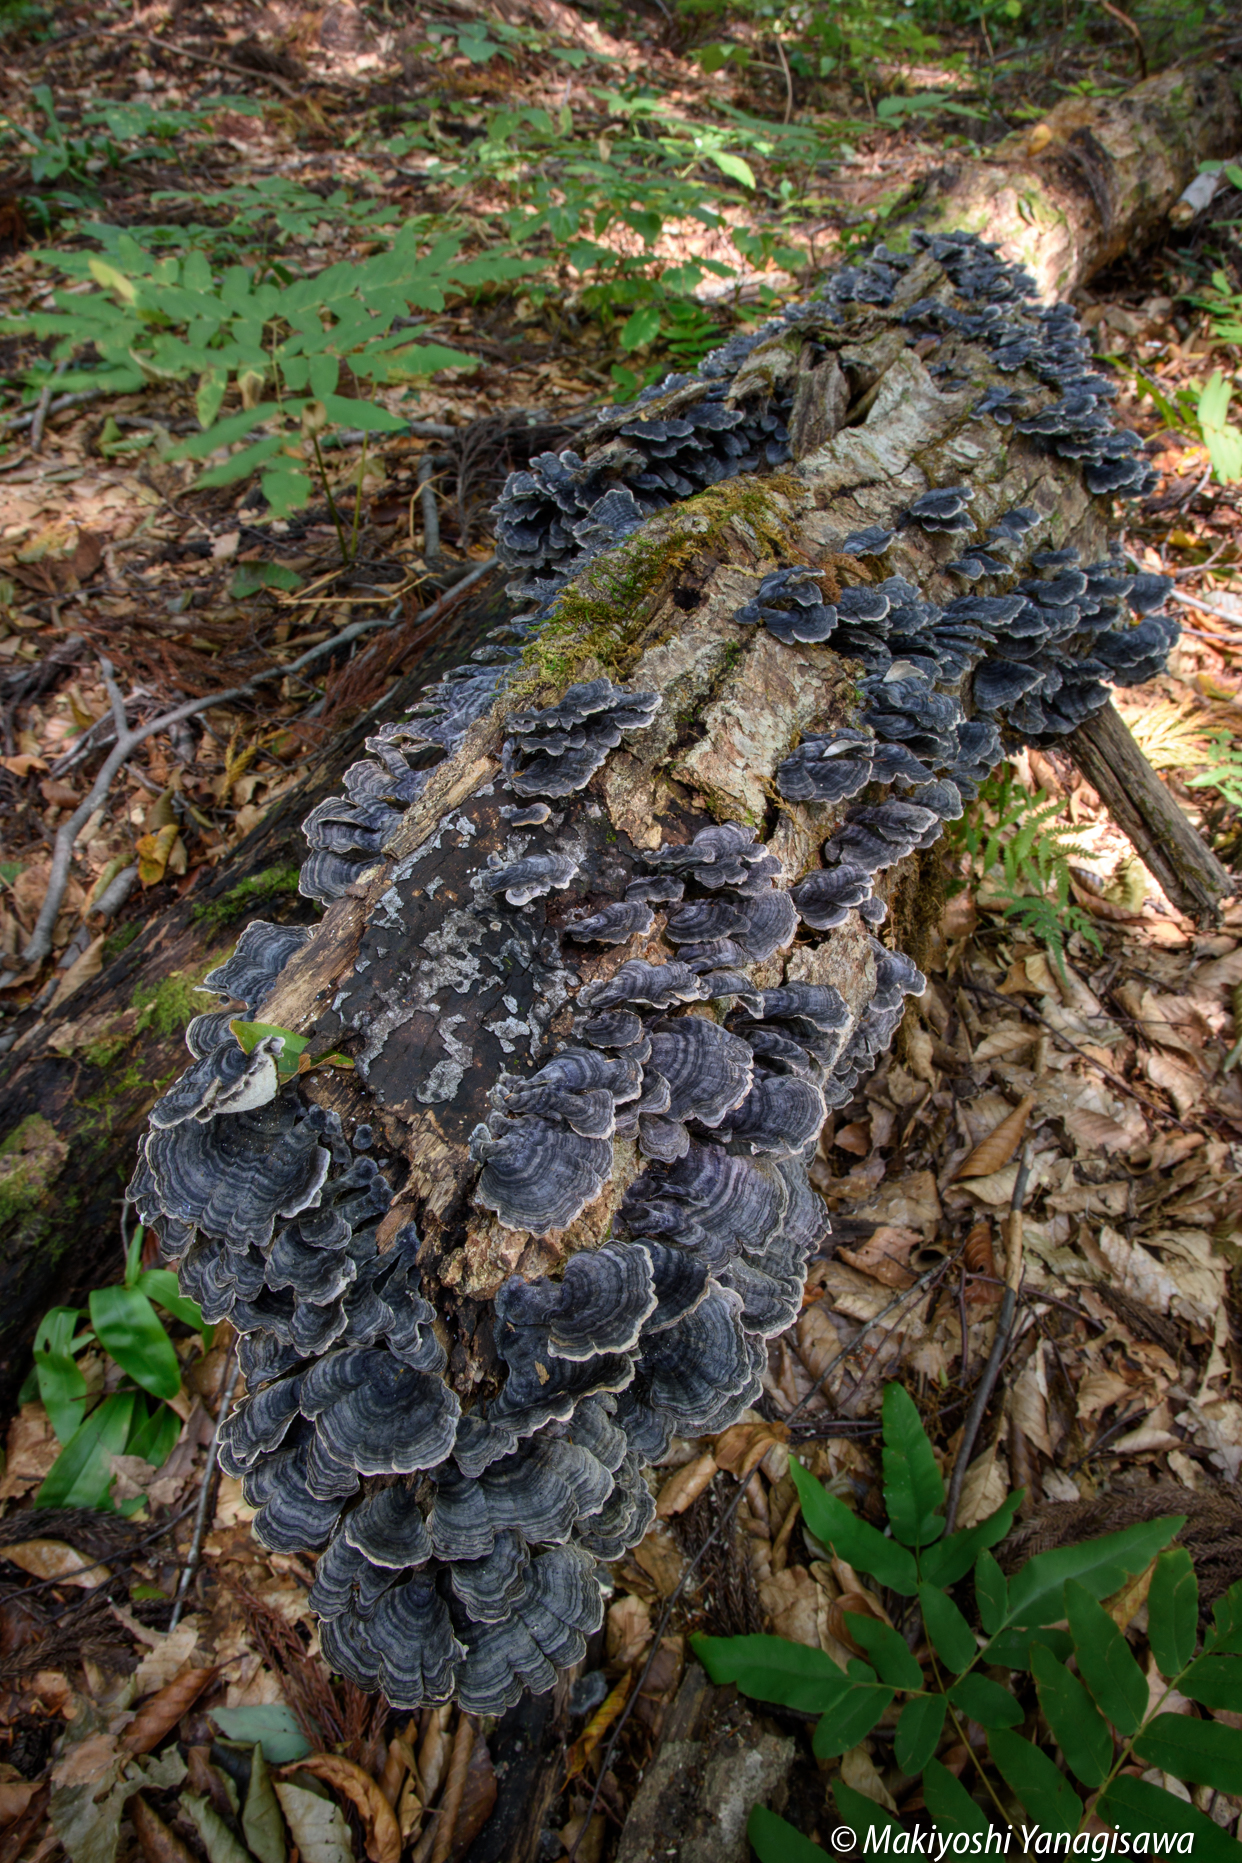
(1113, 1054)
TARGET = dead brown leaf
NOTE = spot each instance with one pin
(627, 1631)
(57, 1559)
(160, 1715)
(381, 1831)
(995, 1151)
(157, 1842)
(685, 1485)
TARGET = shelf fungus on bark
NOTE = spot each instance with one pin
(607, 1148)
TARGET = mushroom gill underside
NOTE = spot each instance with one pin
(463, 1447)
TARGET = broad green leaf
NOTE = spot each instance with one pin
(364, 414)
(991, 1592)
(951, 1559)
(986, 1702)
(852, 1539)
(209, 395)
(316, 1825)
(890, 1654)
(1078, 1727)
(1105, 1661)
(1226, 1636)
(250, 1034)
(735, 167)
(161, 1286)
(851, 1718)
(286, 489)
(61, 1386)
(273, 1726)
(1012, 1648)
(861, 1814)
(1045, 1791)
(913, 1489)
(918, 1732)
(128, 1327)
(81, 1475)
(241, 465)
(1134, 1805)
(155, 1437)
(1215, 1681)
(641, 328)
(774, 1840)
(952, 1637)
(262, 1825)
(1201, 1752)
(1037, 1592)
(213, 1833)
(249, 578)
(774, 1669)
(949, 1804)
(226, 432)
(125, 288)
(1173, 1611)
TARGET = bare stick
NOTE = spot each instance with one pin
(432, 555)
(1004, 1325)
(44, 402)
(128, 741)
(200, 1518)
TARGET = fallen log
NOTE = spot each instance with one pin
(600, 950)
(1093, 179)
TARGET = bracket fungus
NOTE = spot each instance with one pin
(460, 1427)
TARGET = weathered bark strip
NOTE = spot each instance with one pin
(79, 1081)
(1093, 179)
(1142, 808)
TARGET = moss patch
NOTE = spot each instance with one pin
(602, 617)
(31, 1159)
(246, 896)
(120, 940)
(168, 1005)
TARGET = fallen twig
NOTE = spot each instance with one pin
(1004, 1325)
(204, 1496)
(127, 741)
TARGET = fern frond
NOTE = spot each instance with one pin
(1170, 736)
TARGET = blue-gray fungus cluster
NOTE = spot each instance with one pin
(462, 1454)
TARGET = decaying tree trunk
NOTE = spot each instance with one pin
(77, 1083)
(1093, 179)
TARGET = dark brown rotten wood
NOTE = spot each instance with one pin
(1165, 840)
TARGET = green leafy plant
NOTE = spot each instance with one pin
(1224, 770)
(1222, 439)
(1019, 862)
(1056, 1735)
(55, 153)
(1202, 414)
(282, 346)
(136, 1418)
